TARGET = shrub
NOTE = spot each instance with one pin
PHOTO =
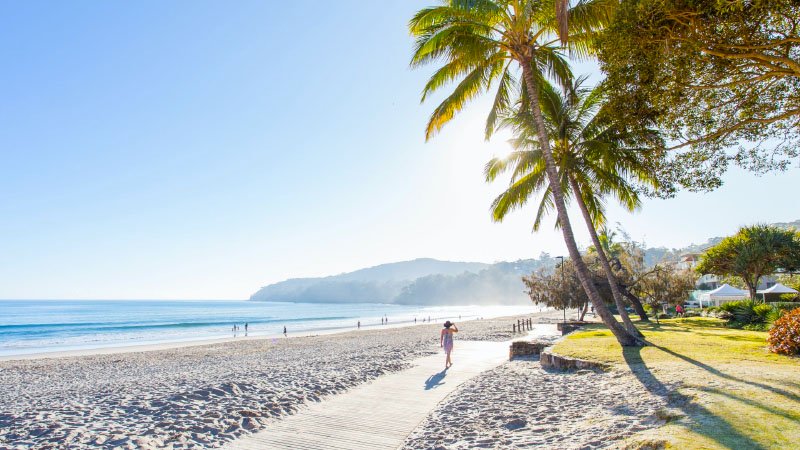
(749, 315)
(773, 315)
(784, 337)
(762, 311)
(742, 311)
(784, 306)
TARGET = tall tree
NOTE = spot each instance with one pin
(665, 285)
(751, 253)
(486, 42)
(595, 161)
(560, 289)
(716, 75)
(627, 261)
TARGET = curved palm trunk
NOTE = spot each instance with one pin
(601, 255)
(622, 335)
(637, 305)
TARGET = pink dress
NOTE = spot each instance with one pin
(448, 342)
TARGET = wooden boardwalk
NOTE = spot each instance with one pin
(379, 414)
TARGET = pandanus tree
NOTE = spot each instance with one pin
(595, 161)
(485, 43)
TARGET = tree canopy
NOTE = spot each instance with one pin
(560, 289)
(665, 285)
(721, 78)
(753, 252)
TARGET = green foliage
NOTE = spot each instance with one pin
(762, 311)
(742, 312)
(789, 280)
(784, 337)
(750, 315)
(482, 43)
(751, 253)
(785, 306)
(560, 289)
(665, 285)
(714, 75)
(595, 159)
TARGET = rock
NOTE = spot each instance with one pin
(249, 423)
(516, 424)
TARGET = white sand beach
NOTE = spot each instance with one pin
(206, 396)
(198, 396)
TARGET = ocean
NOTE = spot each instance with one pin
(38, 326)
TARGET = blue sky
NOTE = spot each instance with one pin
(203, 149)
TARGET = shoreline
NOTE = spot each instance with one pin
(204, 395)
(170, 345)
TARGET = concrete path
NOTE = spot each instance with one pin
(379, 414)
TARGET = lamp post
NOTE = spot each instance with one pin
(561, 268)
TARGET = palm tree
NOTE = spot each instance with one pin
(481, 43)
(594, 159)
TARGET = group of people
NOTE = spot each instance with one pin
(236, 329)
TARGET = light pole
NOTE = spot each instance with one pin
(561, 269)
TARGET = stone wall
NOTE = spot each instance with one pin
(553, 361)
(526, 348)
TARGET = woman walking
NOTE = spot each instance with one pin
(446, 341)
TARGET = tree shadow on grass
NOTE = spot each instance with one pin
(724, 433)
(754, 403)
(717, 372)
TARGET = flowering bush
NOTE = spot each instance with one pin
(784, 337)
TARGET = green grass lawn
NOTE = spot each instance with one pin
(725, 389)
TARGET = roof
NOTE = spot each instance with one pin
(727, 290)
(778, 289)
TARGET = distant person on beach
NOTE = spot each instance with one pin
(284, 330)
(446, 341)
(245, 328)
(359, 324)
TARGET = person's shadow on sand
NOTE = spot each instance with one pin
(435, 380)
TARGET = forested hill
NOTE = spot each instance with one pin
(432, 282)
(421, 281)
